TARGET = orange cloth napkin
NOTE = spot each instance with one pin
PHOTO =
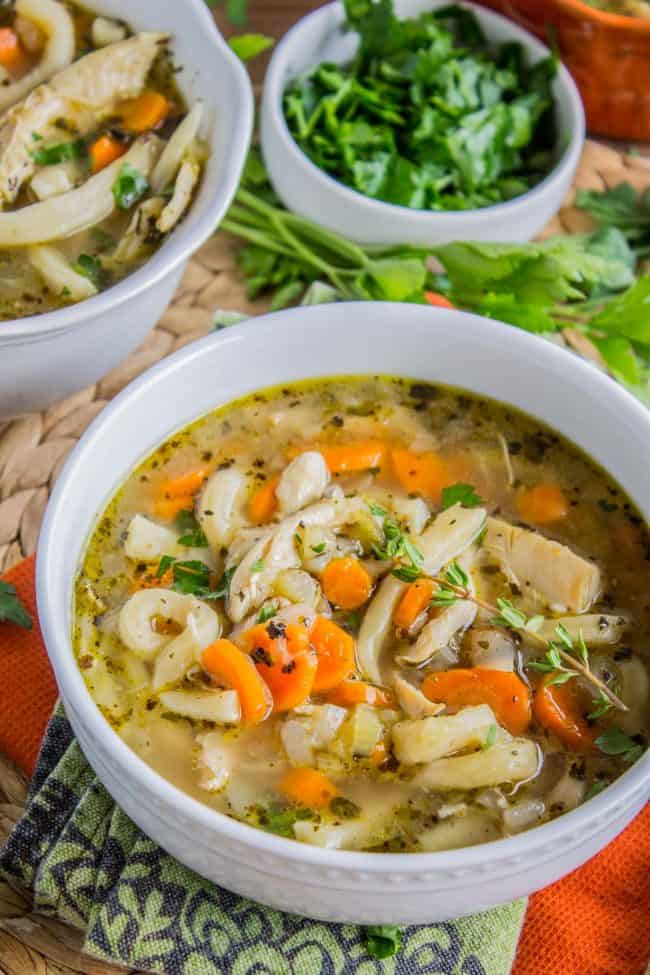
(596, 921)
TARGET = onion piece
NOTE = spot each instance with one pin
(59, 275)
(174, 152)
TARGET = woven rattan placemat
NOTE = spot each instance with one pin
(33, 449)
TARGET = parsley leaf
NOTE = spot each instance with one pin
(616, 742)
(90, 267)
(192, 533)
(595, 788)
(249, 46)
(424, 117)
(129, 187)
(61, 152)
(280, 820)
(490, 737)
(460, 493)
(382, 940)
(266, 613)
(11, 608)
(192, 577)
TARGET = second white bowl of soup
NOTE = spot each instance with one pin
(363, 641)
(122, 139)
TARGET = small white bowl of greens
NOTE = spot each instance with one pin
(427, 124)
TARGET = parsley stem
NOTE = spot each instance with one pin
(535, 637)
(255, 237)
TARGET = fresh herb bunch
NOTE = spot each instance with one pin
(11, 608)
(586, 282)
(427, 116)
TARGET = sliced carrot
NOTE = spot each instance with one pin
(143, 113)
(424, 474)
(347, 583)
(363, 455)
(231, 666)
(379, 753)
(308, 787)
(334, 653)
(105, 150)
(542, 504)
(414, 602)
(263, 504)
(506, 693)
(351, 692)
(557, 707)
(284, 660)
(437, 300)
(185, 484)
(168, 508)
(13, 56)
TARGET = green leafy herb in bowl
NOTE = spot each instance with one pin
(429, 115)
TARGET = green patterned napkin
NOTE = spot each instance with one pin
(87, 864)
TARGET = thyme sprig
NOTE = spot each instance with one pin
(563, 657)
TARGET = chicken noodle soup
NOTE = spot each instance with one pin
(99, 155)
(371, 614)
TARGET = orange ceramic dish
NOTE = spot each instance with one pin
(607, 54)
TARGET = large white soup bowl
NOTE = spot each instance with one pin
(450, 347)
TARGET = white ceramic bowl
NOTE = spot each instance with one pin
(310, 192)
(46, 357)
(409, 340)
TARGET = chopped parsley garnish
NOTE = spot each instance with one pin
(192, 533)
(61, 152)
(491, 737)
(344, 808)
(382, 940)
(267, 613)
(279, 820)
(11, 608)
(616, 742)
(257, 566)
(319, 549)
(595, 788)
(192, 578)
(460, 493)
(90, 267)
(129, 187)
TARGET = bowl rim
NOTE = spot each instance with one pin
(186, 240)
(55, 625)
(275, 84)
(637, 25)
